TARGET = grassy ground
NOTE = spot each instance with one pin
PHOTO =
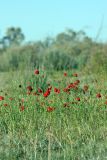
(64, 125)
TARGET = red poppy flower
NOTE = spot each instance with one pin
(1, 98)
(65, 74)
(72, 85)
(47, 93)
(36, 71)
(50, 109)
(39, 90)
(67, 90)
(98, 95)
(29, 88)
(105, 102)
(77, 82)
(75, 75)
(11, 98)
(5, 104)
(56, 90)
(78, 98)
(22, 108)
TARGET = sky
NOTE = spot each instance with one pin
(39, 19)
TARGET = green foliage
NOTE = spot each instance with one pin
(13, 37)
(58, 61)
(37, 81)
(77, 130)
(98, 59)
(19, 58)
(69, 49)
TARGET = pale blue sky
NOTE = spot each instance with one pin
(41, 18)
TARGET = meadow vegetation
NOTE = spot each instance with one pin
(53, 97)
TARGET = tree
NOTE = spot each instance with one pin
(14, 36)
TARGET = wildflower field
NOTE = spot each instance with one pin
(53, 116)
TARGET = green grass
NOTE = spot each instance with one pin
(75, 132)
